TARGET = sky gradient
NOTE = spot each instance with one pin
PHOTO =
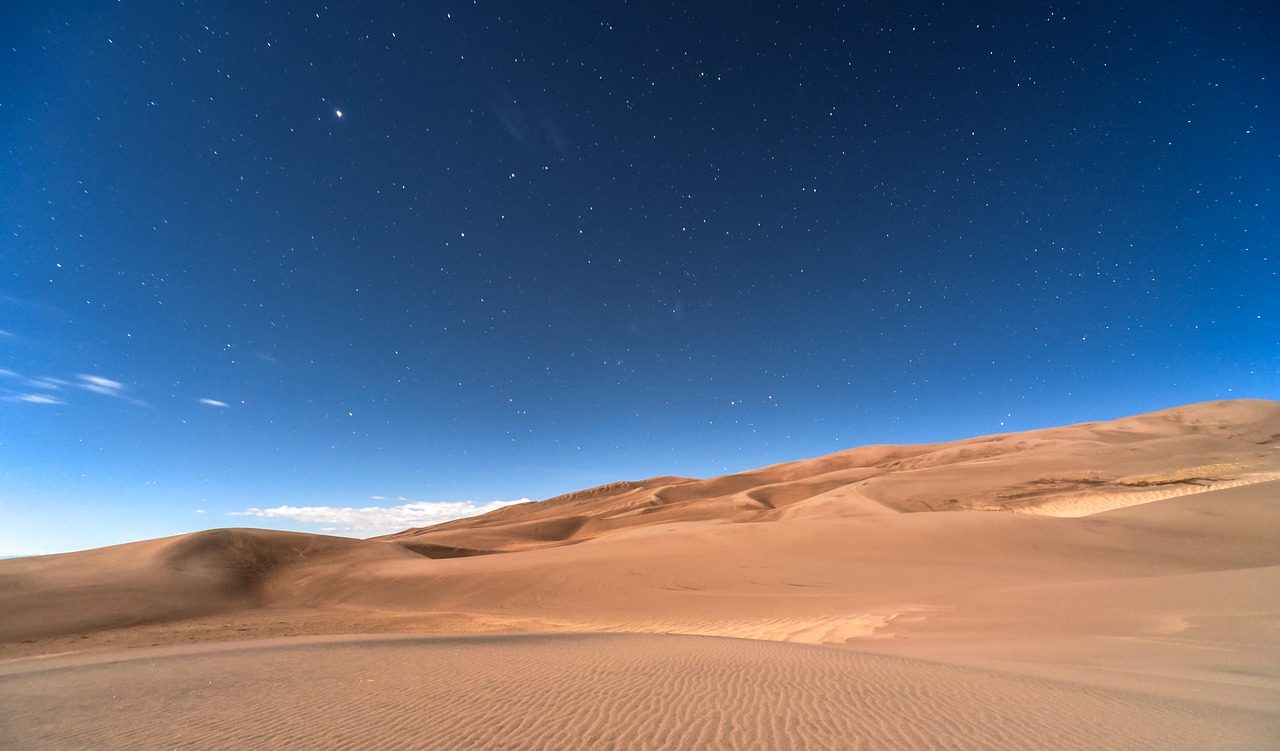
(417, 258)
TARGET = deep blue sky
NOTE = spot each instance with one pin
(354, 255)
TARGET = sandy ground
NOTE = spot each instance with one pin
(1110, 585)
(592, 691)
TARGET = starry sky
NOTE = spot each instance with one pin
(361, 266)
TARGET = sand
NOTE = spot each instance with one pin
(1108, 585)
(583, 692)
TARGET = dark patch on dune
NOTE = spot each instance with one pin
(439, 551)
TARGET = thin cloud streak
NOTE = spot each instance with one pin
(45, 382)
(37, 399)
(106, 387)
(100, 385)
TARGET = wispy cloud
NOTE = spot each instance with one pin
(100, 385)
(26, 397)
(37, 389)
(106, 387)
(45, 382)
(213, 403)
(379, 519)
(37, 399)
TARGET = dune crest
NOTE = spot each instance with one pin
(1070, 471)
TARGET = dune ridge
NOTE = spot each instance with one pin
(1057, 471)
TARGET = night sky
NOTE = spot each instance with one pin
(415, 258)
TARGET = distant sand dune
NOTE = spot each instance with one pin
(1073, 470)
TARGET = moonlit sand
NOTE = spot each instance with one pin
(1104, 585)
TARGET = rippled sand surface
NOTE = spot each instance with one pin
(582, 692)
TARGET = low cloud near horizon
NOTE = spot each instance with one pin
(379, 519)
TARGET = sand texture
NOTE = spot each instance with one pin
(1106, 585)
(584, 692)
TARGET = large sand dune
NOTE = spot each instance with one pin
(1112, 584)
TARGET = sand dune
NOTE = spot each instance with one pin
(166, 580)
(1111, 584)
(1058, 471)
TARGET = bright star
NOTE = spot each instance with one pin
(338, 113)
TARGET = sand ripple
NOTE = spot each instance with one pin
(835, 629)
(604, 691)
